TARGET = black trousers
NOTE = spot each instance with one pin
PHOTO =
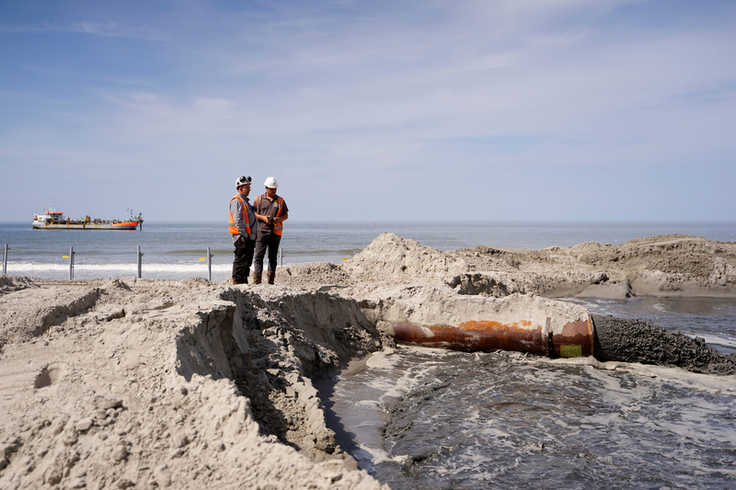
(263, 242)
(243, 257)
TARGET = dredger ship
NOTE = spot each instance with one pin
(55, 220)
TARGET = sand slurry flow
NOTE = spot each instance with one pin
(125, 383)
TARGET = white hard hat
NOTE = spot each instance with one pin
(243, 180)
(271, 183)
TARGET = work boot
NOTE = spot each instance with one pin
(238, 281)
(256, 278)
(271, 277)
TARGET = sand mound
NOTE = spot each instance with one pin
(390, 259)
(314, 275)
(30, 312)
(8, 284)
(668, 265)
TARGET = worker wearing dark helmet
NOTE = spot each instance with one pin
(271, 211)
(243, 228)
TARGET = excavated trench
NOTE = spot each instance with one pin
(271, 346)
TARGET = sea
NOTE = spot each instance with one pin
(420, 418)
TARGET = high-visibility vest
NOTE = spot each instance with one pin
(232, 228)
(278, 227)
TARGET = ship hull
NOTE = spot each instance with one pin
(127, 225)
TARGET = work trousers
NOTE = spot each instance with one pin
(271, 242)
(244, 247)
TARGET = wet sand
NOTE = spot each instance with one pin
(631, 340)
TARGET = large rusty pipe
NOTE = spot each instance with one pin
(572, 339)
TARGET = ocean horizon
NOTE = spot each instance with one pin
(176, 250)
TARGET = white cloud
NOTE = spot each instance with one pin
(457, 92)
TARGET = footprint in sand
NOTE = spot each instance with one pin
(49, 375)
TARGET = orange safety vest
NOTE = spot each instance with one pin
(278, 227)
(232, 228)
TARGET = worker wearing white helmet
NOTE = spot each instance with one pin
(243, 230)
(271, 211)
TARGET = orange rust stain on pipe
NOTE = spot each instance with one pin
(575, 339)
(476, 335)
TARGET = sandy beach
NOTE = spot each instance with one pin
(134, 383)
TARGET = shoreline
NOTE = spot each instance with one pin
(112, 383)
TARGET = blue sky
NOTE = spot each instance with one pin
(370, 110)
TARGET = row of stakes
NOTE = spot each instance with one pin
(139, 261)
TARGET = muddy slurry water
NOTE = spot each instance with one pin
(509, 420)
(653, 409)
